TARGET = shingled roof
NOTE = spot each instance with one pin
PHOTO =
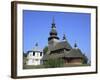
(73, 53)
(61, 45)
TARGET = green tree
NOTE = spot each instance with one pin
(45, 50)
(51, 63)
(85, 59)
(24, 58)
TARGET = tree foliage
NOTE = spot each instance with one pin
(51, 63)
(45, 50)
(24, 54)
(85, 59)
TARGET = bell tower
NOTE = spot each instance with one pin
(53, 38)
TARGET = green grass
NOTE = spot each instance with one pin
(76, 65)
(33, 66)
(42, 66)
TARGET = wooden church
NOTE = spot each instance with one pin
(61, 49)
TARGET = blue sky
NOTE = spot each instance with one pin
(37, 25)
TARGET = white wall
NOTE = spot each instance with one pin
(30, 58)
(5, 43)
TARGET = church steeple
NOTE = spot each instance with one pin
(53, 23)
(64, 37)
(53, 32)
(36, 44)
(75, 45)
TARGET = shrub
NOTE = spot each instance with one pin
(51, 63)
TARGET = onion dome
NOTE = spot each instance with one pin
(37, 48)
(53, 32)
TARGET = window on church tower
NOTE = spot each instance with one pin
(33, 53)
(40, 53)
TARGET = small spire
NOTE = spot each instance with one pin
(75, 45)
(53, 23)
(36, 44)
(64, 37)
